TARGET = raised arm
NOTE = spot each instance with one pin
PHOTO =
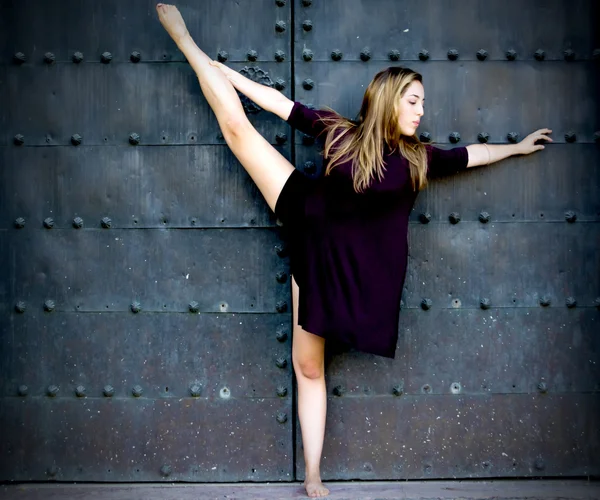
(266, 97)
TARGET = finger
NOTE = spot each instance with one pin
(545, 137)
(539, 147)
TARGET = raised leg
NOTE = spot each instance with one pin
(308, 355)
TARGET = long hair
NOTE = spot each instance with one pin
(362, 141)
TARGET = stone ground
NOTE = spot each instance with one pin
(409, 490)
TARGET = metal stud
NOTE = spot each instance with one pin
(511, 54)
(570, 216)
(77, 222)
(106, 57)
(19, 222)
(19, 140)
(539, 464)
(545, 301)
(484, 217)
(454, 137)
(281, 250)
(279, 55)
(539, 55)
(136, 307)
(307, 25)
(49, 58)
(426, 304)
(453, 54)
(280, 3)
(455, 388)
(569, 55)
(166, 470)
(542, 387)
(137, 391)
(281, 306)
(281, 417)
(394, 55)
(19, 58)
(281, 334)
(365, 54)
(281, 363)
(570, 136)
(425, 137)
(308, 84)
(49, 305)
(281, 138)
(252, 55)
(485, 303)
(52, 471)
(108, 391)
(398, 389)
(222, 56)
(454, 218)
(339, 390)
(596, 54)
(337, 55)
(134, 139)
(280, 84)
(306, 3)
(52, 390)
(597, 136)
(106, 222)
(310, 167)
(307, 55)
(76, 139)
(193, 306)
(482, 54)
(80, 391)
(281, 277)
(512, 137)
(195, 390)
(280, 26)
(135, 56)
(20, 307)
(281, 391)
(77, 57)
(597, 303)
(483, 137)
(423, 55)
(425, 218)
(426, 389)
(48, 222)
(571, 302)
(23, 390)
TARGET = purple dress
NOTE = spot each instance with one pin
(349, 250)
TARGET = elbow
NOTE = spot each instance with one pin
(234, 126)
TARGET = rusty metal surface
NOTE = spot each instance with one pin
(405, 490)
(454, 436)
(139, 439)
(467, 26)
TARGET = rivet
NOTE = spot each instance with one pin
(279, 55)
(281, 362)
(483, 137)
(570, 216)
(77, 222)
(77, 57)
(310, 167)
(106, 57)
(539, 55)
(52, 390)
(571, 302)
(80, 391)
(512, 137)
(423, 54)
(454, 218)
(195, 390)
(281, 277)
(19, 58)
(569, 55)
(48, 222)
(596, 54)
(306, 3)
(456, 303)
(570, 137)
(49, 58)
(106, 222)
(484, 217)
(280, 26)
(19, 222)
(280, 84)
(20, 307)
(425, 137)
(19, 140)
(252, 55)
(281, 417)
(336, 55)
(281, 391)
(135, 56)
(454, 137)
(426, 304)
(49, 305)
(542, 387)
(426, 388)
(398, 389)
(427, 469)
(76, 139)
(281, 333)
(136, 307)
(193, 306)
(339, 390)
(307, 140)
(486, 464)
(482, 54)
(539, 464)
(307, 54)
(281, 138)
(511, 54)
(280, 3)
(597, 303)
(108, 391)
(455, 388)
(485, 303)
(223, 306)
(281, 306)
(365, 54)
(52, 470)
(23, 390)
(137, 391)
(394, 55)
(281, 250)
(425, 218)
(597, 136)
(225, 393)
(545, 301)
(453, 54)
(134, 139)
(222, 56)
(307, 25)
(308, 84)
(166, 470)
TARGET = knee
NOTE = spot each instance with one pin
(309, 368)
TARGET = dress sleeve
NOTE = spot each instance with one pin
(442, 162)
(307, 120)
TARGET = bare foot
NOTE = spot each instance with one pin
(314, 487)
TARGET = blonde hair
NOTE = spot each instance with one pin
(362, 142)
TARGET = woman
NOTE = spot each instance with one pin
(349, 228)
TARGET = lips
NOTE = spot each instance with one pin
(416, 123)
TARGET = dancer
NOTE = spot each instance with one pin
(349, 227)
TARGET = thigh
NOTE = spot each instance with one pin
(305, 345)
(268, 168)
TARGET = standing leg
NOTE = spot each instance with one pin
(308, 354)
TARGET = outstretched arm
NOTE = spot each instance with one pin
(266, 97)
(484, 154)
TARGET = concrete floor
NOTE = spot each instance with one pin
(463, 490)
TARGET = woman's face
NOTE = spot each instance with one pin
(411, 108)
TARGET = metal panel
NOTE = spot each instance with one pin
(196, 186)
(173, 439)
(424, 437)
(104, 104)
(120, 28)
(465, 25)
(165, 354)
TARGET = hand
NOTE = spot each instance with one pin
(172, 21)
(528, 145)
(227, 71)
